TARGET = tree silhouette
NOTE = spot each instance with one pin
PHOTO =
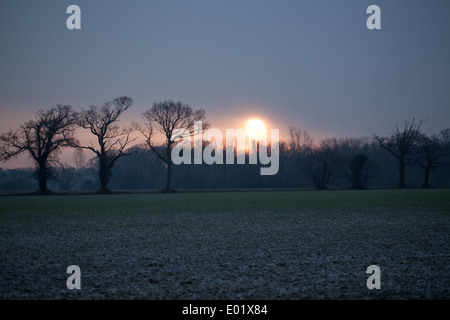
(79, 159)
(112, 139)
(357, 177)
(300, 143)
(166, 117)
(320, 165)
(432, 154)
(402, 143)
(42, 139)
(445, 134)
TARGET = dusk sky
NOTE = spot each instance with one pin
(310, 64)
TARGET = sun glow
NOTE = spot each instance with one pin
(255, 129)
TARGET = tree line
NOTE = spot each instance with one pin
(115, 163)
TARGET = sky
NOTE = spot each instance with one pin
(310, 64)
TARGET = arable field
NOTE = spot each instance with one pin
(227, 245)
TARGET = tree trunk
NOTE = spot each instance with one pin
(426, 181)
(169, 167)
(43, 177)
(169, 178)
(104, 176)
(401, 171)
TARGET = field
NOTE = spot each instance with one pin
(227, 245)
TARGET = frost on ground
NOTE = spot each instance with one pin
(226, 255)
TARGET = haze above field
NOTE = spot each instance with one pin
(311, 64)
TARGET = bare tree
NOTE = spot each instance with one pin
(79, 159)
(300, 143)
(300, 148)
(350, 160)
(402, 144)
(360, 170)
(445, 134)
(42, 139)
(432, 154)
(166, 117)
(112, 139)
(320, 165)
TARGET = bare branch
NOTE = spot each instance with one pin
(166, 117)
(42, 138)
(403, 143)
(112, 139)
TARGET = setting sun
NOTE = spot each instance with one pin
(255, 129)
